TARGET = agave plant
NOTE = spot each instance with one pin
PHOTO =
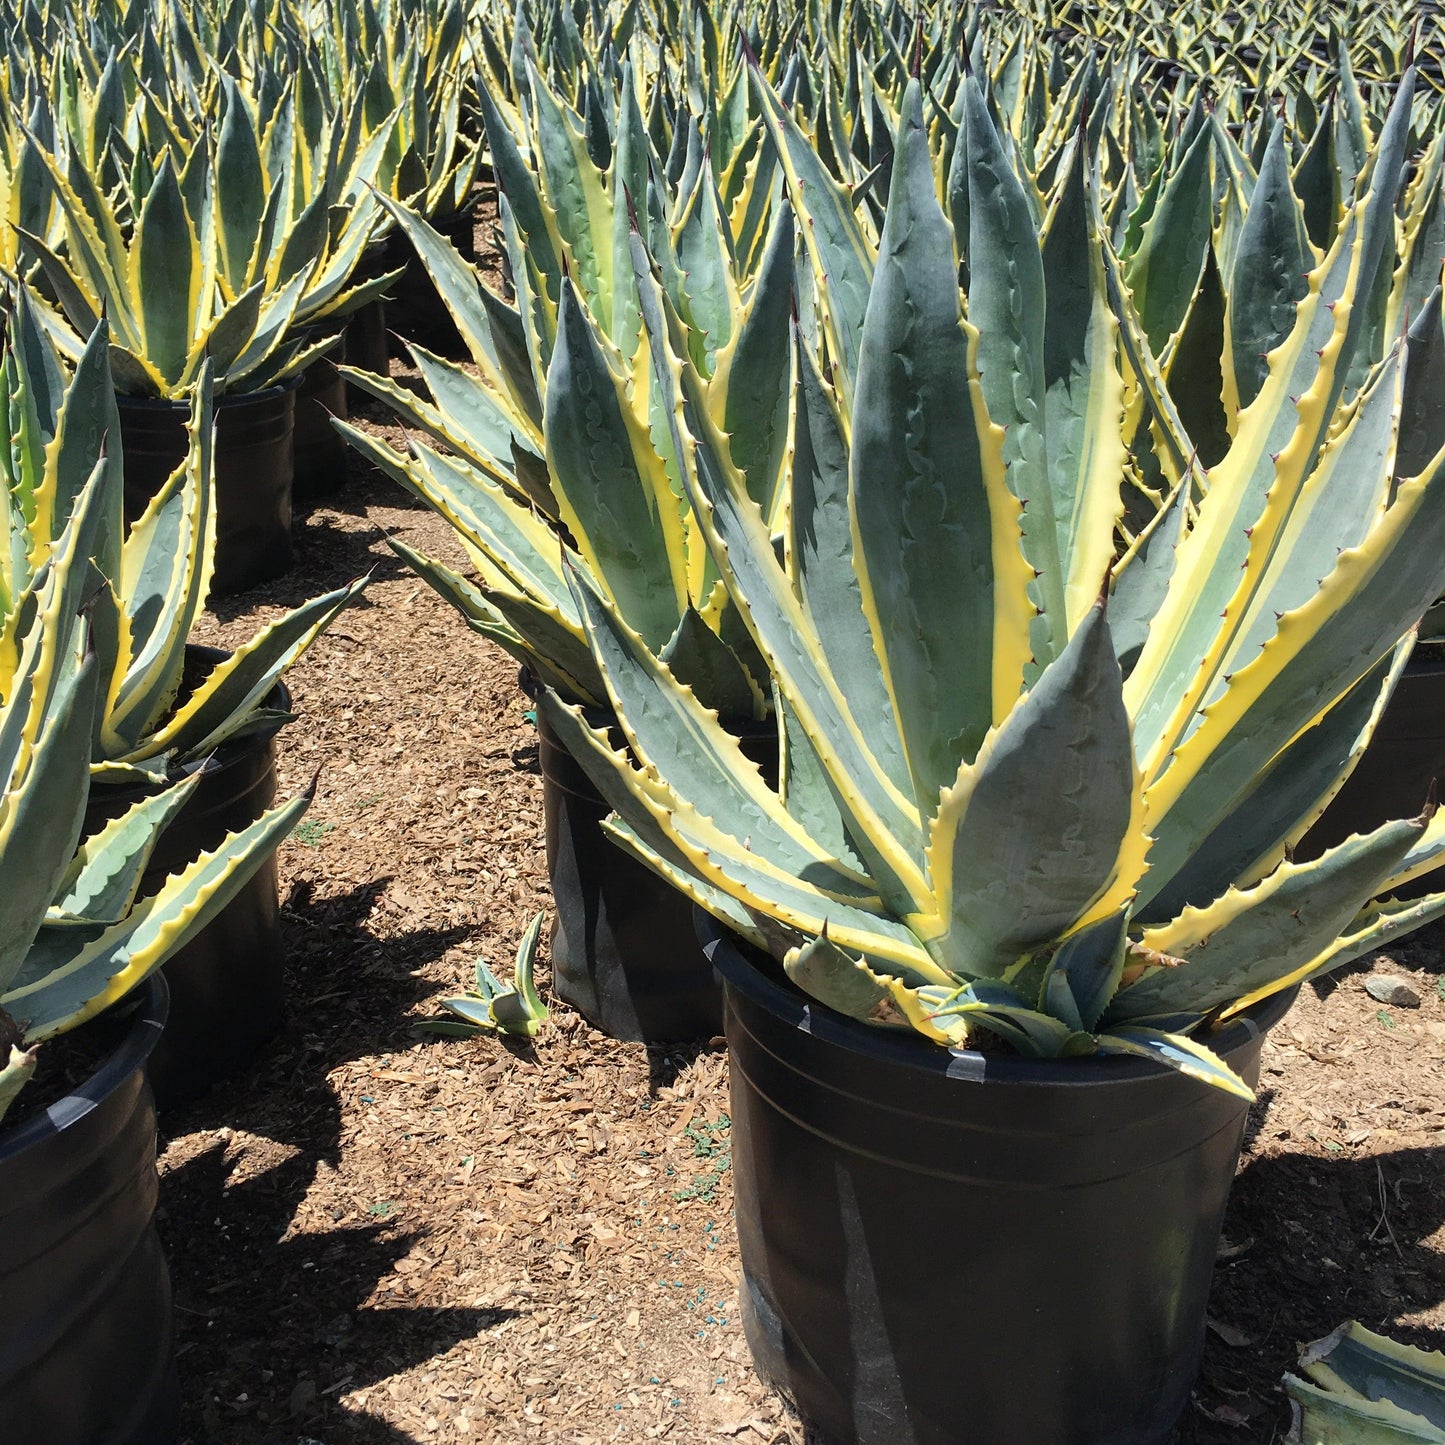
(196, 241)
(844, 66)
(274, 162)
(1364, 1389)
(73, 937)
(402, 66)
(492, 1007)
(555, 431)
(291, 193)
(159, 292)
(148, 584)
(1029, 792)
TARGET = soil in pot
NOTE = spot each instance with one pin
(416, 311)
(227, 984)
(1392, 780)
(624, 951)
(952, 1248)
(320, 451)
(254, 465)
(86, 1334)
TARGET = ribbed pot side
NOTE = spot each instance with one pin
(624, 951)
(945, 1248)
(227, 985)
(254, 467)
(86, 1335)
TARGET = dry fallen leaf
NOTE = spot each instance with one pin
(1234, 1338)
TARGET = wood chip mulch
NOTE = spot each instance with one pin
(376, 1238)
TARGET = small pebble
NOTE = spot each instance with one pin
(1393, 991)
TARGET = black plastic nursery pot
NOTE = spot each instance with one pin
(227, 985)
(366, 345)
(254, 465)
(415, 310)
(319, 449)
(366, 340)
(952, 1248)
(86, 1334)
(624, 952)
(1405, 755)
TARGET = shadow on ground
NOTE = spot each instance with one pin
(309, 1338)
(1326, 1240)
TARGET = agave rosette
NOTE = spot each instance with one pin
(402, 68)
(148, 583)
(1007, 804)
(555, 430)
(198, 239)
(237, 150)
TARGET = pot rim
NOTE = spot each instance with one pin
(532, 687)
(1427, 660)
(234, 398)
(467, 211)
(789, 1004)
(225, 754)
(278, 699)
(151, 1004)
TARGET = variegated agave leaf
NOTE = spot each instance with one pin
(73, 938)
(1360, 1387)
(214, 202)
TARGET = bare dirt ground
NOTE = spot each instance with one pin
(381, 1239)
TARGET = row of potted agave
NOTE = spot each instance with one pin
(988, 810)
(235, 157)
(1296, 52)
(207, 181)
(1005, 910)
(137, 829)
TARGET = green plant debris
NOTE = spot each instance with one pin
(310, 833)
(711, 1141)
(1384, 1018)
(707, 1140)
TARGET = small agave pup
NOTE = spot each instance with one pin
(1011, 807)
(493, 1007)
